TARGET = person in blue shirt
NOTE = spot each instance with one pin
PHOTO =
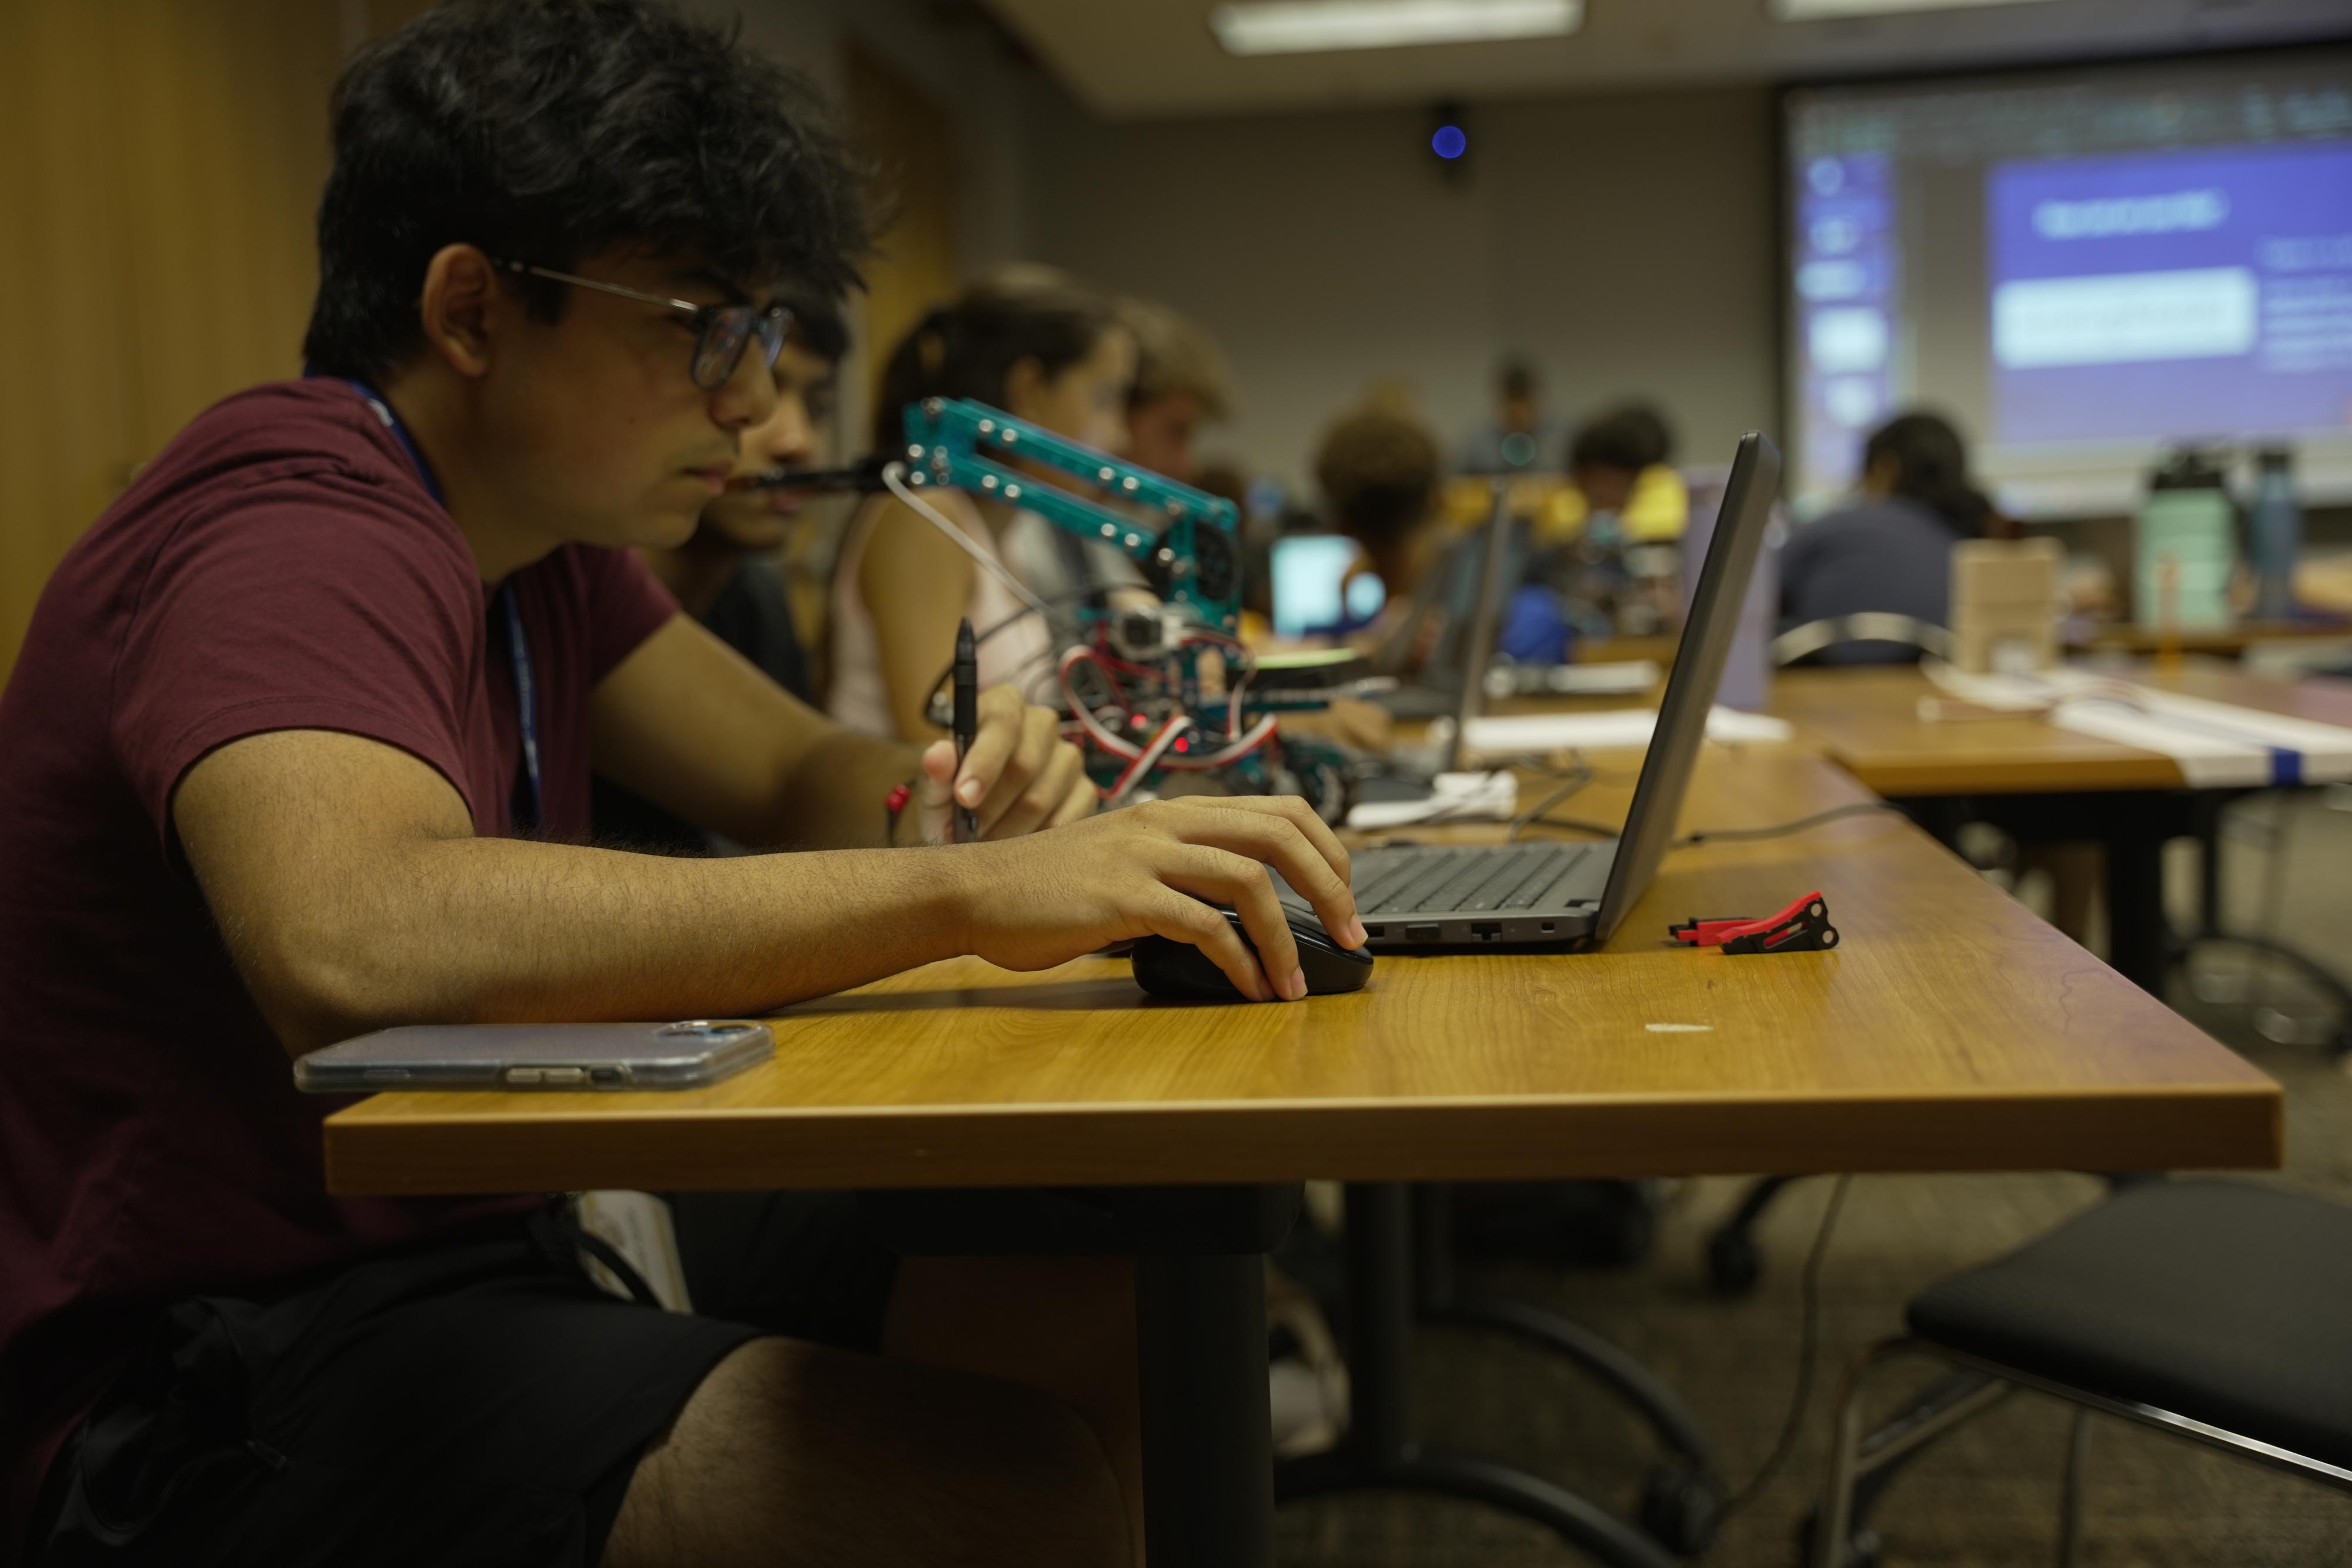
(1889, 549)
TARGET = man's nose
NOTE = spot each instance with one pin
(787, 435)
(747, 398)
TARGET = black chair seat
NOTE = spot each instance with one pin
(2223, 1301)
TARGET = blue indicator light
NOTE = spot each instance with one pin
(1449, 142)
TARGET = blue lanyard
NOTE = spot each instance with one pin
(518, 646)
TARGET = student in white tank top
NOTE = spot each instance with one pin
(1019, 652)
(1049, 353)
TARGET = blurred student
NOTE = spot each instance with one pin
(1519, 433)
(726, 574)
(1042, 350)
(1890, 548)
(1378, 467)
(1620, 468)
(1181, 383)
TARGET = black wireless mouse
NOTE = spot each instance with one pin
(1179, 972)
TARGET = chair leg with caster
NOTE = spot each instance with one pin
(1835, 1534)
(1682, 1497)
(1733, 1264)
(1380, 1452)
(2070, 1500)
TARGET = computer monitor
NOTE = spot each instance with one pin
(1312, 589)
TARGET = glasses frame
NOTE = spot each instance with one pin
(725, 330)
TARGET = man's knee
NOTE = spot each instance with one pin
(790, 1453)
(1070, 1498)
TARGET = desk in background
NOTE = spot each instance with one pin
(2070, 785)
(2231, 642)
(1952, 1031)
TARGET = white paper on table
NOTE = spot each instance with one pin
(1453, 798)
(2217, 744)
(1616, 730)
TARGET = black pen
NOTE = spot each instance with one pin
(967, 721)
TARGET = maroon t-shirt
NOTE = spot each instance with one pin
(281, 565)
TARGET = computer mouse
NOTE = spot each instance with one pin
(1178, 971)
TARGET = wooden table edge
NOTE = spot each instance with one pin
(2234, 1124)
(1912, 778)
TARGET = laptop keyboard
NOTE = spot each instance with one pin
(1439, 881)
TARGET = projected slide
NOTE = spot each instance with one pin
(2081, 268)
(2172, 294)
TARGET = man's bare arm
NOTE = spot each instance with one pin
(347, 881)
(353, 894)
(693, 725)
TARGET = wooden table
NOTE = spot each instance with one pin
(1951, 1031)
(2230, 641)
(1867, 720)
(1954, 1031)
(2324, 583)
(2052, 783)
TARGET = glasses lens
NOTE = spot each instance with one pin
(774, 325)
(724, 332)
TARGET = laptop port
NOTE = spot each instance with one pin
(1486, 930)
(1547, 927)
(1423, 931)
(1376, 932)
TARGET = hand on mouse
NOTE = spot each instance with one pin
(1157, 869)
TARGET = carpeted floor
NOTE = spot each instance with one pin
(1988, 1496)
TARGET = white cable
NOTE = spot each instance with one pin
(1176, 725)
(894, 476)
(1205, 761)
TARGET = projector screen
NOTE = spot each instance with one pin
(2080, 267)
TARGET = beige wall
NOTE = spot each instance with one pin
(163, 165)
(1625, 242)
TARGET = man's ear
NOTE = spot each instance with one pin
(1024, 388)
(462, 307)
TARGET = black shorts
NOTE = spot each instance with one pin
(475, 1402)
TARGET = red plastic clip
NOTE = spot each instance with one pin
(1803, 927)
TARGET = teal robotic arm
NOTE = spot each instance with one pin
(1151, 690)
(1189, 551)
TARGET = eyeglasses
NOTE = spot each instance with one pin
(726, 329)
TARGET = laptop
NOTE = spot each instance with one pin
(1545, 892)
(1472, 578)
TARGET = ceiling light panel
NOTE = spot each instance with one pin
(1824, 10)
(1317, 26)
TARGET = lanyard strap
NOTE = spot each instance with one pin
(527, 709)
(527, 807)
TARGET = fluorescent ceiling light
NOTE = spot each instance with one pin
(1824, 10)
(1302, 26)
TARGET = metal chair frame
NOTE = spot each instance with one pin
(1857, 1457)
(1862, 626)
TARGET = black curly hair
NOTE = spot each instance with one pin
(968, 347)
(1929, 463)
(551, 130)
(1379, 468)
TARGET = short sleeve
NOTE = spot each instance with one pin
(307, 601)
(627, 604)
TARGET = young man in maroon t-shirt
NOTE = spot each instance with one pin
(299, 746)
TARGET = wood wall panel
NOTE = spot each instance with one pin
(163, 169)
(66, 401)
(905, 133)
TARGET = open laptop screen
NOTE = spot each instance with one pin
(1698, 668)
